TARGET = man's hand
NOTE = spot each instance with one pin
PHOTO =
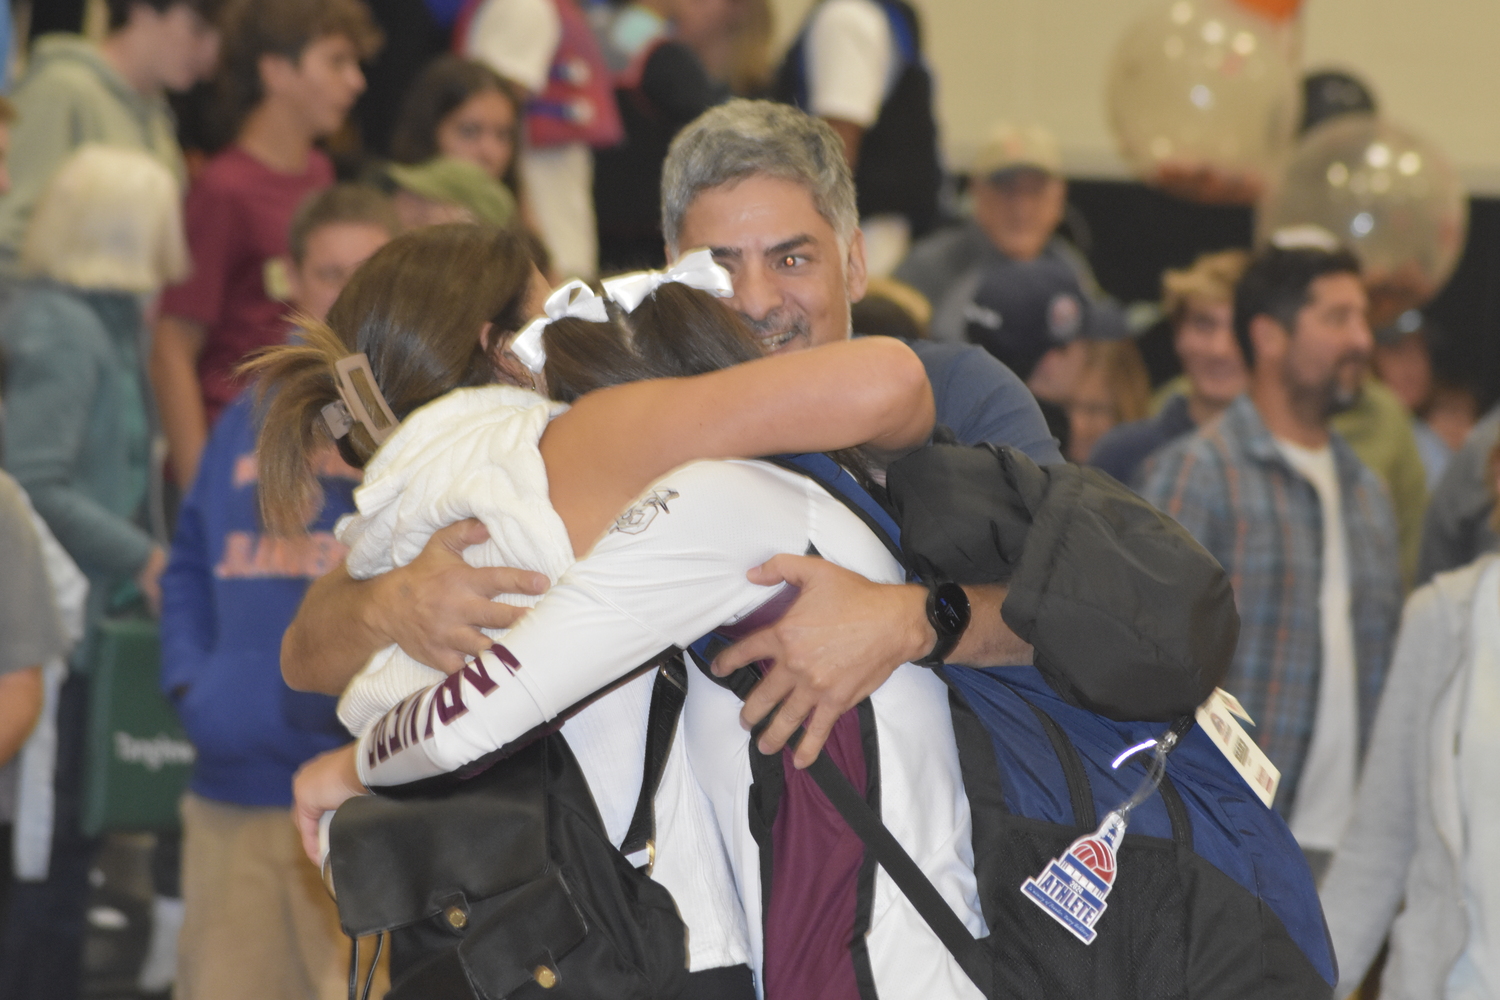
(839, 642)
(435, 606)
(322, 785)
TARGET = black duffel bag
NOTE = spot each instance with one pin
(504, 884)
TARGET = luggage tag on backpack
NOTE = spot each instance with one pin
(1218, 716)
(1073, 889)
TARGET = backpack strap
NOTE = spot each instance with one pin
(1079, 790)
(972, 955)
(667, 697)
(842, 487)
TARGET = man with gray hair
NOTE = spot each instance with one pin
(767, 189)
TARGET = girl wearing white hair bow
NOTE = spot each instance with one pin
(431, 373)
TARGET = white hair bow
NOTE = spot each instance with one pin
(696, 268)
(561, 304)
(575, 300)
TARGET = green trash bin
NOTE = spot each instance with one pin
(139, 757)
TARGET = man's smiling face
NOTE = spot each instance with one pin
(793, 282)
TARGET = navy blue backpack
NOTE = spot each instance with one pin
(1206, 894)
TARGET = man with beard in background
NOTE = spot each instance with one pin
(1305, 530)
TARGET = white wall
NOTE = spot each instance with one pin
(1434, 65)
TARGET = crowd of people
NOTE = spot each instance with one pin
(355, 419)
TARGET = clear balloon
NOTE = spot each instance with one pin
(1388, 194)
(1203, 98)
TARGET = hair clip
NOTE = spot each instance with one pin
(362, 401)
(337, 419)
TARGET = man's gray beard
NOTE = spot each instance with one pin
(774, 327)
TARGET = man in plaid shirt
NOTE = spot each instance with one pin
(1305, 530)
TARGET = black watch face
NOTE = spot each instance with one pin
(950, 611)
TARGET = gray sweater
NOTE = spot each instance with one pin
(1405, 844)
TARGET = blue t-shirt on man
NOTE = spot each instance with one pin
(980, 399)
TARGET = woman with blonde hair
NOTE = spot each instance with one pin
(105, 234)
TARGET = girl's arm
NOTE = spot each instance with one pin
(600, 455)
(615, 442)
(676, 578)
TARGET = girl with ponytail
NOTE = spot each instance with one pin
(433, 376)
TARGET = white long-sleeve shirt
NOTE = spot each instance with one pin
(473, 453)
(671, 570)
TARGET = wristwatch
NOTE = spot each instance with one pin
(948, 614)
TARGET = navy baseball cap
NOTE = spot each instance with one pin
(1023, 309)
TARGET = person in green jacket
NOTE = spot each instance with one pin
(114, 92)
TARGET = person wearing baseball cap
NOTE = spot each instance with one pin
(1035, 317)
(1019, 195)
(445, 189)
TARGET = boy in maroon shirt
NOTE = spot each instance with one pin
(291, 71)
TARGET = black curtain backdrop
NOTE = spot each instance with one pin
(1132, 233)
(55, 15)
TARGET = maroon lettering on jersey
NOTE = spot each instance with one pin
(414, 709)
(506, 657)
(473, 671)
(378, 739)
(449, 698)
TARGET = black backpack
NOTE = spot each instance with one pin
(500, 881)
(1207, 895)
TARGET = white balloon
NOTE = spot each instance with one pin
(1203, 99)
(1385, 192)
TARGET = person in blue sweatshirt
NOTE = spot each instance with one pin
(257, 921)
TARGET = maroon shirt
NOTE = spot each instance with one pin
(237, 216)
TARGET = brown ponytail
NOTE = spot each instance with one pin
(415, 309)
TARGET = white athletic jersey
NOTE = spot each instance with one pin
(671, 570)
